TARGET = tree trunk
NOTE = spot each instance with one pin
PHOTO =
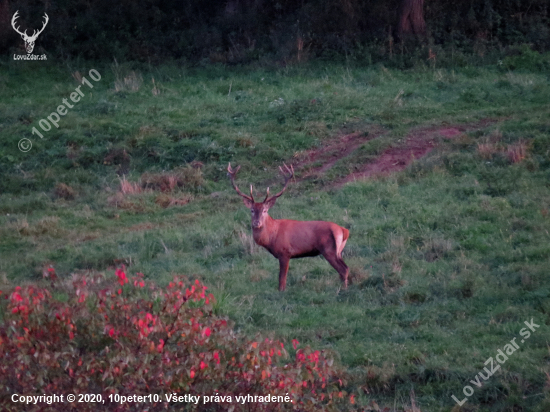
(411, 19)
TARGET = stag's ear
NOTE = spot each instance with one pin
(269, 204)
(248, 203)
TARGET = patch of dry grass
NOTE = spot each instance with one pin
(129, 188)
(189, 177)
(63, 191)
(48, 225)
(165, 200)
(517, 152)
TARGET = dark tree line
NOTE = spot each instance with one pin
(246, 30)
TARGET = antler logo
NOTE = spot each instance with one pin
(29, 40)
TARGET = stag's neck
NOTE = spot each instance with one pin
(264, 235)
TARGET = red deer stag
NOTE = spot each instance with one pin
(289, 239)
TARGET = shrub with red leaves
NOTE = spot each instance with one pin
(119, 337)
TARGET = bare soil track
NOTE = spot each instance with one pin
(418, 143)
(335, 149)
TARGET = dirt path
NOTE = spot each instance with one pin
(317, 161)
(418, 143)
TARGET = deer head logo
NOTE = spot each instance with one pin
(29, 40)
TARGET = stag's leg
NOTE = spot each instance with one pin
(345, 277)
(340, 266)
(333, 254)
(283, 270)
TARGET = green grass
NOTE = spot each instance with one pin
(449, 257)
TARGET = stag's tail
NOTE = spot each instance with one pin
(341, 239)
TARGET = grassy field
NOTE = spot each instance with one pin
(449, 257)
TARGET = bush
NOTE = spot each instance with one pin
(115, 338)
(524, 58)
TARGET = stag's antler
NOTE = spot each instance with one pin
(15, 16)
(232, 173)
(46, 20)
(288, 175)
(24, 34)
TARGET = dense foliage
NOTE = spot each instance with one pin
(120, 338)
(245, 30)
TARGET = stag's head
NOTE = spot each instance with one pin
(29, 40)
(259, 210)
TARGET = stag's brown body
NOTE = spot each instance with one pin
(289, 239)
